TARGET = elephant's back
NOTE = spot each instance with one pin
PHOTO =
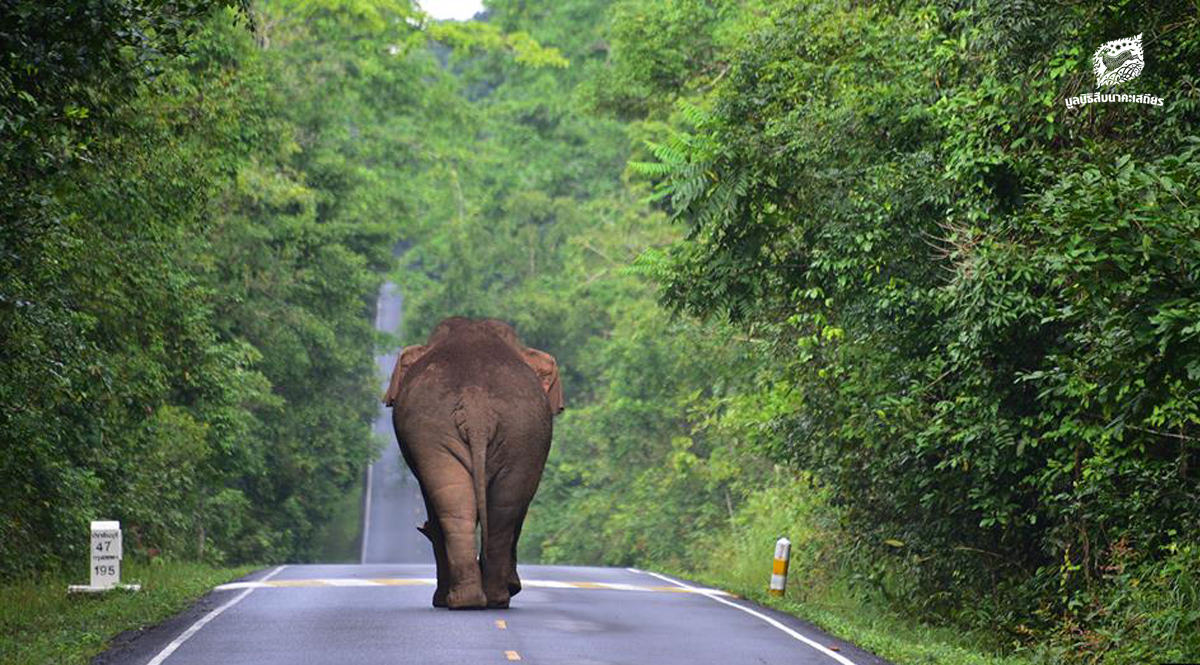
(480, 365)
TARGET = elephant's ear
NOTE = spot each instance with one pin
(408, 356)
(547, 370)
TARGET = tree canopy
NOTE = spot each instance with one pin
(851, 271)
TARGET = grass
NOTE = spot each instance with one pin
(1144, 614)
(41, 624)
(899, 640)
(739, 561)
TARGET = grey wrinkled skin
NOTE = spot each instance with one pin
(474, 424)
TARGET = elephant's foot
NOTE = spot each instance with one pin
(497, 595)
(514, 584)
(466, 599)
(439, 598)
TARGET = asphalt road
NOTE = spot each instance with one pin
(381, 615)
(392, 508)
(379, 612)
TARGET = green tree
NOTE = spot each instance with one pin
(968, 284)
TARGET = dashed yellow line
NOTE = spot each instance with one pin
(501, 624)
(512, 655)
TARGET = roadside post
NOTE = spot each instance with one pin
(105, 555)
(779, 568)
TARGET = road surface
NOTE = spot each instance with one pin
(379, 612)
(392, 506)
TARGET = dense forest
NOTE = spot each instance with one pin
(848, 272)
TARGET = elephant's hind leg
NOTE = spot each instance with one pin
(500, 579)
(453, 503)
(514, 581)
(433, 531)
(499, 567)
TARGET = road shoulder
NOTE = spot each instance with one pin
(137, 646)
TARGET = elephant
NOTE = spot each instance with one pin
(473, 413)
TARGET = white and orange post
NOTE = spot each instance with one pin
(779, 568)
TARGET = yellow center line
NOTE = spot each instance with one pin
(403, 582)
(512, 655)
(417, 582)
(501, 624)
(588, 585)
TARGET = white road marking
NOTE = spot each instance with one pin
(429, 581)
(704, 592)
(187, 634)
(547, 584)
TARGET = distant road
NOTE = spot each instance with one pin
(392, 503)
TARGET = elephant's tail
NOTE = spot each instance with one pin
(479, 443)
(477, 424)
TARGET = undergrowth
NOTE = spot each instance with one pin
(41, 624)
(1137, 614)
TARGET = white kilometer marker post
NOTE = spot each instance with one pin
(106, 556)
(783, 552)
